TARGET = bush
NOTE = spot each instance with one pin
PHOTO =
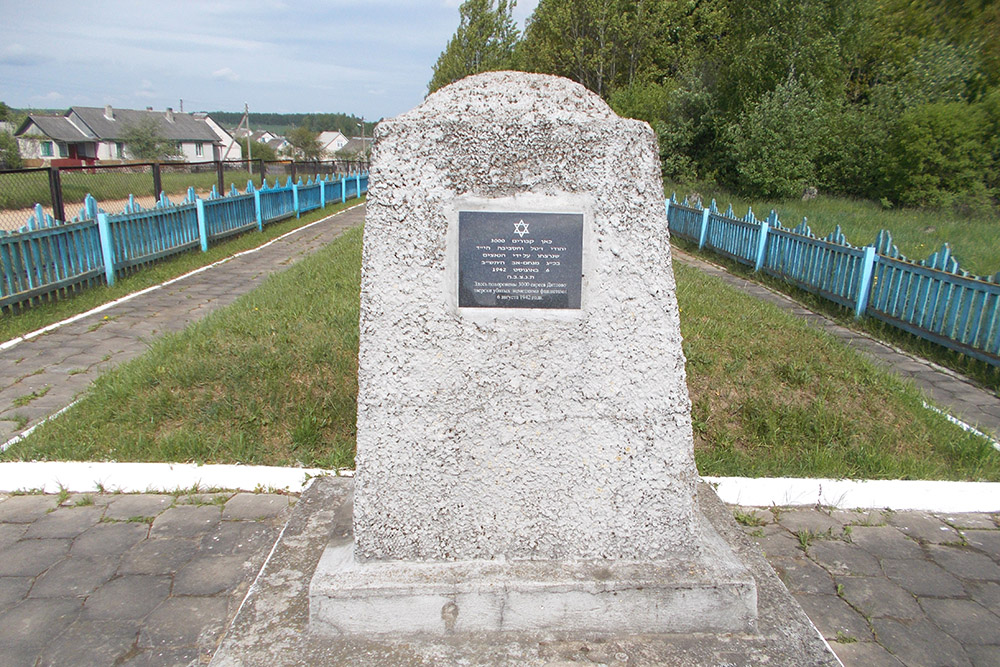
(940, 156)
(10, 154)
(774, 143)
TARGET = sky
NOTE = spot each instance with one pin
(370, 58)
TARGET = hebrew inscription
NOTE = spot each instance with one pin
(513, 259)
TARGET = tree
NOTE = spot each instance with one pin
(305, 144)
(484, 42)
(10, 154)
(145, 141)
(258, 151)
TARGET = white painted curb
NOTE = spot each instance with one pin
(930, 496)
(89, 477)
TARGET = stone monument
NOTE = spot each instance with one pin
(524, 438)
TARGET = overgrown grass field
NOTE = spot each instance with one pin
(974, 239)
(272, 380)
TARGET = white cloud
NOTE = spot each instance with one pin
(226, 73)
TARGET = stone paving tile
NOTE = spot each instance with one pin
(965, 620)
(251, 506)
(885, 542)
(984, 656)
(90, 643)
(186, 521)
(64, 522)
(919, 642)
(126, 506)
(801, 575)
(984, 540)
(74, 577)
(158, 556)
(29, 558)
(878, 597)
(185, 621)
(864, 654)
(114, 594)
(965, 562)
(924, 528)
(834, 618)
(208, 575)
(922, 578)
(809, 520)
(25, 509)
(29, 625)
(129, 596)
(843, 558)
(986, 594)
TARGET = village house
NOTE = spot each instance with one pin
(87, 135)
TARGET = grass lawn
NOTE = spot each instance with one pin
(38, 316)
(975, 239)
(272, 380)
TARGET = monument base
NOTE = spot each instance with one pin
(712, 592)
(272, 626)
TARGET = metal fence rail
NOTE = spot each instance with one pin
(47, 257)
(933, 299)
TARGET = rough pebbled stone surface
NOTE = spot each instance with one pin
(525, 437)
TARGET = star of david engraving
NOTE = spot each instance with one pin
(521, 228)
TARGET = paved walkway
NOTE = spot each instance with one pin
(42, 375)
(890, 588)
(951, 391)
(106, 579)
(155, 579)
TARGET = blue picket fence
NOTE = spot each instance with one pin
(48, 257)
(933, 298)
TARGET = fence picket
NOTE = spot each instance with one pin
(934, 298)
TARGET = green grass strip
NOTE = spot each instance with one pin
(272, 380)
(44, 314)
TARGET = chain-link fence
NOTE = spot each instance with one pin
(20, 190)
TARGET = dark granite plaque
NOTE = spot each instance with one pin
(519, 260)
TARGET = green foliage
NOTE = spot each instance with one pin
(774, 143)
(713, 80)
(145, 141)
(940, 156)
(305, 143)
(283, 122)
(483, 42)
(10, 154)
(258, 151)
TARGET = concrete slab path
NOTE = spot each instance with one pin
(155, 579)
(42, 375)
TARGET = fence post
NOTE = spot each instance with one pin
(107, 248)
(666, 209)
(865, 282)
(295, 198)
(762, 245)
(343, 189)
(357, 180)
(292, 171)
(199, 204)
(260, 217)
(704, 229)
(55, 191)
(157, 181)
(221, 176)
(322, 193)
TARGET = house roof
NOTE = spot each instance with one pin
(56, 127)
(356, 145)
(327, 137)
(184, 126)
